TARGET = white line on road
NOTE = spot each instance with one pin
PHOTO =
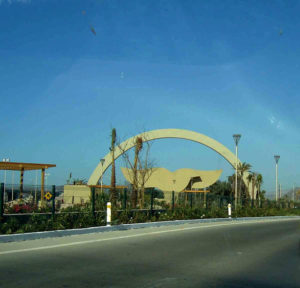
(136, 235)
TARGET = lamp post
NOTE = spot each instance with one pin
(276, 157)
(102, 162)
(236, 138)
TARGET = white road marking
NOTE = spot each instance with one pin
(138, 235)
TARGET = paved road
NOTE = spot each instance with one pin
(251, 254)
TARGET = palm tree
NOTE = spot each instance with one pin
(113, 191)
(231, 180)
(242, 168)
(254, 175)
(249, 179)
(259, 182)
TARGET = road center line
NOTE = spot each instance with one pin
(137, 235)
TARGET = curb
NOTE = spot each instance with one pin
(101, 229)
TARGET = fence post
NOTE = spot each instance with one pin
(173, 201)
(125, 199)
(1, 201)
(151, 202)
(93, 201)
(53, 202)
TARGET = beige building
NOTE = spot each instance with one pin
(179, 180)
(76, 194)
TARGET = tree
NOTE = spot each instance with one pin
(221, 188)
(249, 179)
(231, 180)
(113, 191)
(252, 178)
(242, 168)
(259, 182)
(140, 170)
(145, 169)
(138, 148)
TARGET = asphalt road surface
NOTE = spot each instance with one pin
(238, 254)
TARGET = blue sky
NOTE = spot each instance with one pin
(215, 67)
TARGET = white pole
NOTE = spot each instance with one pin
(108, 213)
(280, 191)
(236, 165)
(101, 178)
(276, 182)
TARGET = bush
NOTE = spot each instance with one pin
(84, 218)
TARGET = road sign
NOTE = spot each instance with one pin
(48, 196)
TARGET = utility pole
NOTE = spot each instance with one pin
(280, 191)
(276, 157)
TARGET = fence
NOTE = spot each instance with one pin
(57, 208)
(83, 199)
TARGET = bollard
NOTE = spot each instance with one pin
(229, 210)
(108, 213)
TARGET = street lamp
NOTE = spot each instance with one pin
(276, 157)
(102, 162)
(236, 138)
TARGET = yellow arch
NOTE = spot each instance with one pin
(166, 133)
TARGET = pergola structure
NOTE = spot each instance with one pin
(22, 167)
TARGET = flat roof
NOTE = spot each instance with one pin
(18, 166)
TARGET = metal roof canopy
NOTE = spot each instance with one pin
(22, 167)
(18, 166)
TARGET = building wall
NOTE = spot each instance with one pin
(76, 194)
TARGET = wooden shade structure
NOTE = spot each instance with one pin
(18, 166)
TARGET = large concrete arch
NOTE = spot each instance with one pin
(166, 133)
